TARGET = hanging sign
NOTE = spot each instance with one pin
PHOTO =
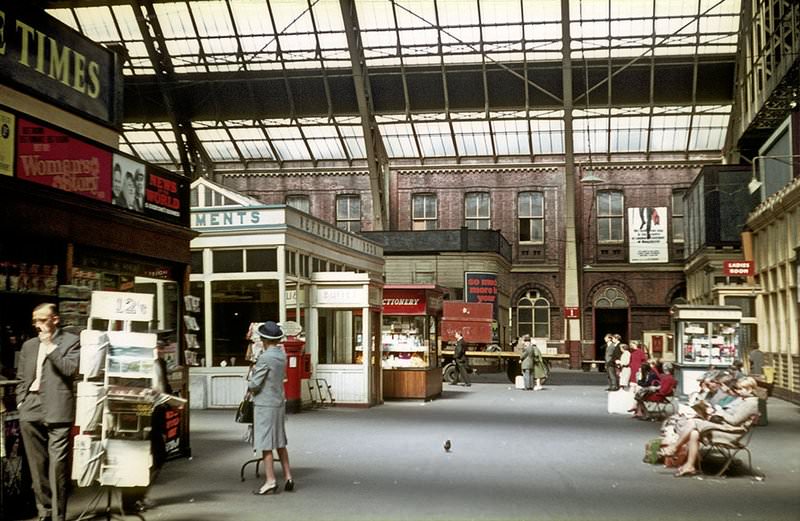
(120, 305)
(42, 55)
(738, 268)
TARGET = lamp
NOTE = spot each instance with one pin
(591, 179)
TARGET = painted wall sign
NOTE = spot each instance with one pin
(481, 287)
(53, 158)
(647, 235)
(40, 54)
(738, 268)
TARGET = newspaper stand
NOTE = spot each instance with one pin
(120, 454)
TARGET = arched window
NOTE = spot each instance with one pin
(533, 315)
(611, 298)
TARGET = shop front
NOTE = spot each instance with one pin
(410, 339)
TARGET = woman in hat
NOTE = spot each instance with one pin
(269, 400)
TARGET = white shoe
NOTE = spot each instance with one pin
(538, 388)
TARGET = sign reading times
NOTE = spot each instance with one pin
(40, 54)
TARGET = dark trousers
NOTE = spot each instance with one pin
(613, 379)
(47, 448)
(461, 373)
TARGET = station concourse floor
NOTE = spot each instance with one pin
(554, 455)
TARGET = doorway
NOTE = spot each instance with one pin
(610, 316)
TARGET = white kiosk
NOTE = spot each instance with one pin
(344, 335)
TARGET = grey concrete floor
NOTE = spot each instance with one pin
(549, 455)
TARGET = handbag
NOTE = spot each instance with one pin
(244, 414)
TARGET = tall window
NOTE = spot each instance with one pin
(677, 215)
(348, 213)
(476, 211)
(301, 202)
(530, 208)
(423, 212)
(610, 216)
(533, 315)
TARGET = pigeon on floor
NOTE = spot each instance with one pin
(447, 445)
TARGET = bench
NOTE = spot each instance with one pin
(588, 365)
(729, 443)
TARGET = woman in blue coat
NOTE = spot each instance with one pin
(269, 411)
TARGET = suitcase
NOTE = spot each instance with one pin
(619, 402)
(519, 382)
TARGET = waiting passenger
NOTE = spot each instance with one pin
(729, 419)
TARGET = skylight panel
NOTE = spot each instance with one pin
(291, 150)
(542, 11)
(424, 13)
(141, 136)
(588, 9)
(511, 137)
(473, 138)
(212, 19)
(65, 16)
(174, 20)
(155, 153)
(399, 140)
(248, 134)
(353, 138)
(98, 24)
(295, 42)
(221, 150)
(221, 46)
(547, 136)
(676, 8)
(630, 9)
(255, 149)
(328, 16)
(126, 20)
(435, 139)
(291, 16)
(251, 17)
(374, 14)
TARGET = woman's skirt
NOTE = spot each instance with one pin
(269, 427)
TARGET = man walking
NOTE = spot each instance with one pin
(47, 366)
(460, 357)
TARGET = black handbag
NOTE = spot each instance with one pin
(244, 414)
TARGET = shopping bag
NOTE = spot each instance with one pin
(519, 382)
(620, 402)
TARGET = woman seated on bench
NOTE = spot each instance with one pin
(665, 386)
(728, 419)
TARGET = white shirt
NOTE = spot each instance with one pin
(45, 348)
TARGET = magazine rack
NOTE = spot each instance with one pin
(120, 456)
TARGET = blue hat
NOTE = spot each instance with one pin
(270, 330)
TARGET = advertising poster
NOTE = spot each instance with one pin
(481, 287)
(127, 183)
(647, 234)
(6, 143)
(165, 196)
(54, 159)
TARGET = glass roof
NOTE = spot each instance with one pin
(247, 35)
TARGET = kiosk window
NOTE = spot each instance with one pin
(197, 261)
(228, 261)
(262, 260)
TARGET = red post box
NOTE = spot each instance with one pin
(298, 366)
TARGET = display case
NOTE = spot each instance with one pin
(409, 339)
(706, 337)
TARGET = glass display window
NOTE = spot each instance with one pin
(406, 342)
(705, 342)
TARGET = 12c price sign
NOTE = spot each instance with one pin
(118, 305)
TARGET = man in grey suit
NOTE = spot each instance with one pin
(612, 354)
(48, 365)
